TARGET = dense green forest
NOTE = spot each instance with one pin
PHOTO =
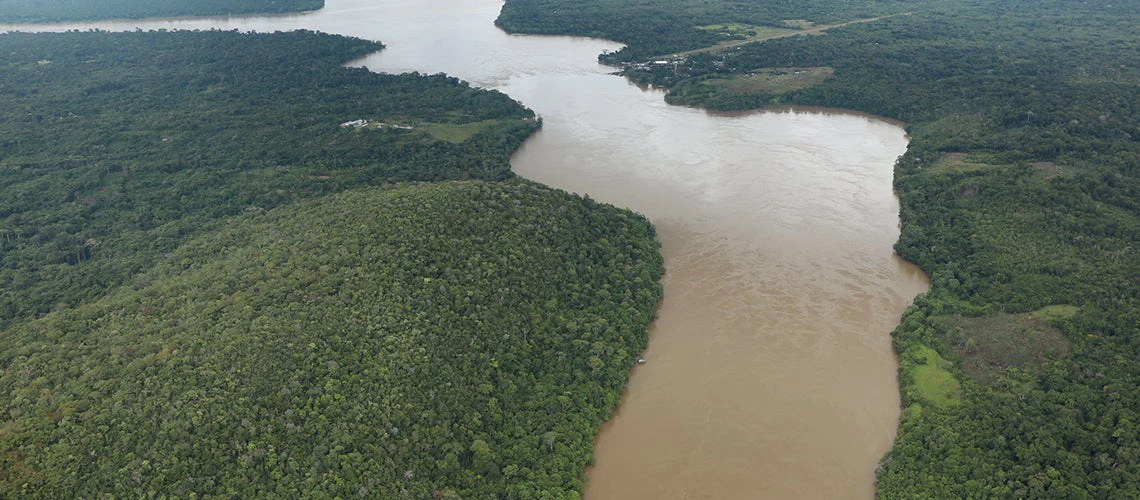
(1020, 196)
(34, 11)
(463, 338)
(118, 147)
(230, 266)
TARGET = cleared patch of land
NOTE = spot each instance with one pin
(799, 24)
(778, 33)
(773, 80)
(988, 346)
(958, 162)
(1050, 169)
(440, 131)
(746, 30)
(1060, 311)
(455, 132)
(931, 377)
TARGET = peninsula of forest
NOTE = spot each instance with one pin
(38, 11)
(210, 287)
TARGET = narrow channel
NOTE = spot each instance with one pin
(769, 371)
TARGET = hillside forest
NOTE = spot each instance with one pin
(230, 266)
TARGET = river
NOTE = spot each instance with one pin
(769, 370)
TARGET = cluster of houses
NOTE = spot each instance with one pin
(649, 64)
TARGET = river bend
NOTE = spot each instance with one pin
(769, 372)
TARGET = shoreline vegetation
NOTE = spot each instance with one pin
(213, 284)
(1020, 369)
(48, 11)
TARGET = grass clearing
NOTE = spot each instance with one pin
(795, 27)
(988, 346)
(1049, 170)
(954, 162)
(773, 80)
(931, 377)
(958, 163)
(1060, 311)
(798, 24)
(455, 132)
(745, 30)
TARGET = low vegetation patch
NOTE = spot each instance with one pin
(797, 24)
(760, 87)
(738, 30)
(932, 378)
(1049, 169)
(773, 80)
(1060, 311)
(957, 162)
(988, 346)
(456, 132)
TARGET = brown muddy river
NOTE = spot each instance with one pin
(769, 371)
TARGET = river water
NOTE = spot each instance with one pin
(769, 371)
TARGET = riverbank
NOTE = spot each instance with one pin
(780, 291)
(81, 11)
(785, 221)
(1001, 236)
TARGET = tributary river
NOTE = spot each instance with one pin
(769, 371)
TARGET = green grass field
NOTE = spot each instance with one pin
(455, 132)
(957, 163)
(798, 24)
(933, 380)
